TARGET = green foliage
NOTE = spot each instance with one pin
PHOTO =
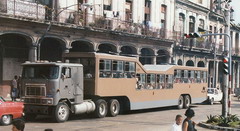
(229, 121)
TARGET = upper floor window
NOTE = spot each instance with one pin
(201, 23)
(191, 24)
(163, 8)
(107, 4)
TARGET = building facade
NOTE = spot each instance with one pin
(151, 30)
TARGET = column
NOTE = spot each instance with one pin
(154, 60)
(237, 77)
(32, 56)
(66, 51)
(216, 74)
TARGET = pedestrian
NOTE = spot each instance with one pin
(177, 126)
(14, 88)
(18, 125)
(188, 124)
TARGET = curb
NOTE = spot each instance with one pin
(204, 125)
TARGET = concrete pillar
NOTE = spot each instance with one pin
(32, 53)
(237, 77)
(66, 51)
(216, 71)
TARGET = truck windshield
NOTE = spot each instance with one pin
(40, 72)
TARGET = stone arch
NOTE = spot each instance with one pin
(180, 62)
(146, 56)
(201, 64)
(82, 46)
(189, 63)
(14, 50)
(128, 50)
(106, 47)
(51, 48)
(162, 56)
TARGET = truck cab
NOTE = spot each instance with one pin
(53, 88)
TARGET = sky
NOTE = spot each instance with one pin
(236, 6)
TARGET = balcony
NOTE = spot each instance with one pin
(24, 9)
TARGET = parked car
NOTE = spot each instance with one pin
(214, 95)
(10, 110)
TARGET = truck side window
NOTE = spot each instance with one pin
(66, 72)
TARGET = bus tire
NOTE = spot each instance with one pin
(187, 101)
(61, 112)
(101, 108)
(180, 102)
(113, 107)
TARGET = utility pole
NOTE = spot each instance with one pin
(227, 53)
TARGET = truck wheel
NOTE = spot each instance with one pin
(114, 107)
(6, 120)
(61, 112)
(180, 102)
(101, 108)
(186, 101)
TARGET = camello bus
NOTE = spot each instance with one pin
(107, 84)
(124, 83)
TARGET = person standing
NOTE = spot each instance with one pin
(18, 125)
(188, 124)
(177, 126)
(14, 89)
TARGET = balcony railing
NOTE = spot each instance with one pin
(23, 9)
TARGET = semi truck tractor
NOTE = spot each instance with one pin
(55, 88)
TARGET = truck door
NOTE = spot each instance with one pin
(66, 83)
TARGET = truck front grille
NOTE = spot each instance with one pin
(35, 91)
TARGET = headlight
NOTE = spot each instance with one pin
(49, 101)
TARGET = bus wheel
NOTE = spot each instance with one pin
(61, 112)
(101, 108)
(180, 102)
(114, 107)
(186, 101)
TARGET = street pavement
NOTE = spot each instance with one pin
(159, 119)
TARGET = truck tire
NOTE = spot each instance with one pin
(101, 108)
(180, 102)
(187, 101)
(6, 120)
(61, 112)
(114, 107)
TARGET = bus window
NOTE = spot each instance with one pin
(185, 76)
(105, 68)
(204, 77)
(142, 80)
(177, 77)
(151, 81)
(161, 81)
(198, 76)
(169, 81)
(129, 70)
(117, 69)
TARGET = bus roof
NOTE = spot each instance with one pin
(50, 63)
(168, 67)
